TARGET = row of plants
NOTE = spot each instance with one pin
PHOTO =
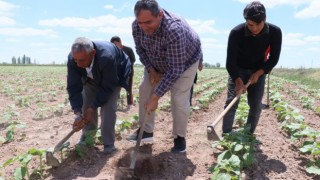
(238, 148)
(208, 96)
(306, 101)
(292, 122)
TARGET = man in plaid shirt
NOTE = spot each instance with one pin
(170, 50)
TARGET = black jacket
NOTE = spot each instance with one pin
(249, 52)
(111, 69)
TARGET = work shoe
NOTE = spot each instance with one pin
(82, 140)
(179, 145)
(108, 149)
(146, 137)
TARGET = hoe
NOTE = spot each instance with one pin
(50, 159)
(130, 171)
(211, 133)
(266, 106)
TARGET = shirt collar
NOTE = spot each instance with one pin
(91, 65)
(265, 30)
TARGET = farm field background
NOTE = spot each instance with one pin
(35, 113)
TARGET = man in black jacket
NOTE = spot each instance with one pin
(96, 72)
(128, 50)
(248, 45)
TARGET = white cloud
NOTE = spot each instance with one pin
(312, 39)
(37, 44)
(115, 30)
(27, 32)
(293, 39)
(89, 23)
(211, 43)
(299, 39)
(6, 8)
(12, 40)
(311, 11)
(203, 26)
(6, 21)
(124, 7)
(108, 6)
(314, 49)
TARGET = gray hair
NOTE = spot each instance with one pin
(150, 5)
(82, 43)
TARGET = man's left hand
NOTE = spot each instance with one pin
(255, 76)
(200, 66)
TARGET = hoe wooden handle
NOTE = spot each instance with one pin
(224, 112)
(57, 147)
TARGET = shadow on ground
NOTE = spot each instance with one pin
(87, 167)
(263, 166)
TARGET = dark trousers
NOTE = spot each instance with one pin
(129, 93)
(254, 95)
(191, 90)
(107, 111)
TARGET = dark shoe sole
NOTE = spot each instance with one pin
(176, 151)
(144, 140)
(110, 151)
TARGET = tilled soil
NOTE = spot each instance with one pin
(275, 158)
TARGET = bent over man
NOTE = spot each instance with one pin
(96, 72)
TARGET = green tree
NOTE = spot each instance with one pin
(24, 59)
(14, 60)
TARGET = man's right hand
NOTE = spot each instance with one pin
(78, 123)
(240, 87)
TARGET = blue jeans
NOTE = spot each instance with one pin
(254, 95)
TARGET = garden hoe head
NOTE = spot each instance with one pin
(212, 134)
(50, 159)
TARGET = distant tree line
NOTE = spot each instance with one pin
(207, 65)
(22, 60)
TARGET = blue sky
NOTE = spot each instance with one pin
(44, 30)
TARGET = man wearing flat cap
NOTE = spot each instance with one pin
(248, 45)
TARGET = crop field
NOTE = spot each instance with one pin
(35, 115)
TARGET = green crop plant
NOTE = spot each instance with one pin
(90, 140)
(10, 134)
(23, 101)
(313, 148)
(165, 106)
(307, 102)
(239, 153)
(58, 110)
(23, 171)
(123, 125)
(228, 167)
(317, 110)
(10, 114)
